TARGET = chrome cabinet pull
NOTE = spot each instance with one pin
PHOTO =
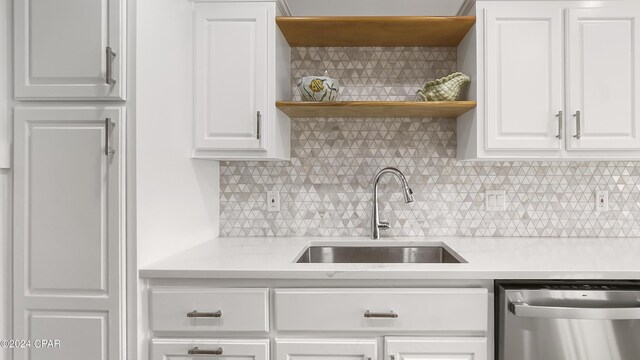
(390, 315)
(259, 120)
(108, 124)
(196, 314)
(559, 116)
(578, 132)
(197, 351)
(110, 56)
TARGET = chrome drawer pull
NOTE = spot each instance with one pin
(390, 315)
(196, 314)
(196, 351)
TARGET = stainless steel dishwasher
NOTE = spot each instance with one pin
(568, 321)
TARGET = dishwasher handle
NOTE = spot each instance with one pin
(523, 309)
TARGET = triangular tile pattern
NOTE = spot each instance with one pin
(373, 73)
(326, 187)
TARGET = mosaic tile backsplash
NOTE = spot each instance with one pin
(326, 188)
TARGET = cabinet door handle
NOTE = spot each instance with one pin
(258, 120)
(108, 124)
(559, 116)
(196, 314)
(578, 131)
(109, 72)
(197, 351)
(390, 315)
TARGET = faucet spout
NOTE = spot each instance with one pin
(376, 224)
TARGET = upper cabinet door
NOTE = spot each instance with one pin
(604, 78)
(231, 75)
(69, 50)
(524, 76)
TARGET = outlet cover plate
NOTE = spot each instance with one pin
(273, 200)
(494, 200)
(602, 201)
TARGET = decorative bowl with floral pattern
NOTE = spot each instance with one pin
(318, 88)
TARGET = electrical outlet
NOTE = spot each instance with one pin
(273, 200)
(602, 201)
(494, 200)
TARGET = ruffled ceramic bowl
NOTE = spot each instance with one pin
(447, 88)
(318, 88)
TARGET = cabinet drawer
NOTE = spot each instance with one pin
(425, 310)
(168, 349)
(215, 309)
(434, 348)
(314, 349)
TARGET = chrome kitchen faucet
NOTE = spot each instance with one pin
(376, 224)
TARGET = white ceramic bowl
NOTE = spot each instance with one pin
(318, 88)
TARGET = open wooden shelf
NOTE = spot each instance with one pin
(358, 31)
(375, 109)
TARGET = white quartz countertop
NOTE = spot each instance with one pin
(487, 258)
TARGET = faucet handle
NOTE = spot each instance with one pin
(383, 225)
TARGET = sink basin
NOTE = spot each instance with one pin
(392, 254)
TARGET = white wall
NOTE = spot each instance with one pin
(5, 176)
(177, 197)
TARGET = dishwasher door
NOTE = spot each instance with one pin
(568, 322)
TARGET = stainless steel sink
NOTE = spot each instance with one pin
(379, 254)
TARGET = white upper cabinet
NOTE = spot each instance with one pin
(604, 79)
(69, 50)
(524, 68)
(238, 53)
(554, 80)
(231, 70)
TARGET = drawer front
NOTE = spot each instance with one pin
(435, 348)
(425, 310)
(317, 349)
(178, 349)
(215, 310)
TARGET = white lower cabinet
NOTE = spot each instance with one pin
(382, 310)
(210, 310)
(174, 349)
(435, 348)
(68, 242)
(318, 323)
(321, 349)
